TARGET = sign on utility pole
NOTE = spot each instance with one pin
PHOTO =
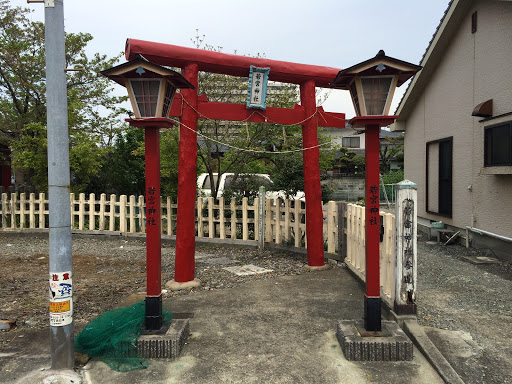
(61, 277)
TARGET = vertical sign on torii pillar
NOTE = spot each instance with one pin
(190, 107)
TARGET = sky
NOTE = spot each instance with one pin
(333, 33)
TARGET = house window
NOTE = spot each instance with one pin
(351, 142)
(498, 145)
(439, 164)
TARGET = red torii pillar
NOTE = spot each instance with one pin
(193, 60)
(187, 170)
(311, 160)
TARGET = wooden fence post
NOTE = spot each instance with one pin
(42, 210)
(233, 219)
(331, 225)
(142, 216)
(296, 224)
(71, 208)
(131, 213)
(268, 219)
(278, 220)
(4, 210)
(200, 232)
(103, 199)
(342, 230)
(261, 219)
(112, 213)
(122, 213)
(211, 224)
(169, 215)
(13, 210)
(23, 201)
(406, 212)
(32, 210)
(92, 211)
(287, 228)
(81, 210)
(245, 226)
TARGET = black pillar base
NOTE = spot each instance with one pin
(153, 320)
(372, 314)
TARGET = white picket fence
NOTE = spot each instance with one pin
(285, 223)
(284, 219)
(355, 257)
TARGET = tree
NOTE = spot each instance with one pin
(169, 144)
(93, 110)
(393, 149)
(288, 172)
(254, 137)
(122, 166)
(348, 162)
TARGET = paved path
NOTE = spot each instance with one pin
(279, 330)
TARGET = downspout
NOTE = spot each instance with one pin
(486, 233)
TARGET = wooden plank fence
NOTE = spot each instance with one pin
(285, 220)
(353, 231)
(285, 223)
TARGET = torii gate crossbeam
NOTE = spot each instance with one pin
(192, 61)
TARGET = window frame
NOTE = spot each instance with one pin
(488, 163)
(449, 211)
(350, 138)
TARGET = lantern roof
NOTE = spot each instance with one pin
(380, 65)
(139, 67)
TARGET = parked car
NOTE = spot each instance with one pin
(204, 185)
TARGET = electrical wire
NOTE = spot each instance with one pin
(247, 149)
(245, 120)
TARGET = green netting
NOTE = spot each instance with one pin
(112, 337)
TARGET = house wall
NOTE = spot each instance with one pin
(475, 67)
(337, 135)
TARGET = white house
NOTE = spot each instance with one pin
(457, 116)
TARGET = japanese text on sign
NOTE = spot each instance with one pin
(373, 205)
(61, 298)
(258, 79)
(151, 206)
(407, 243)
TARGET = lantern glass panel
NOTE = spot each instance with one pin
(170, 90)
(146, 92)
(375, 93)
(355, 99)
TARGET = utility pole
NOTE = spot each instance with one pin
(61, 282)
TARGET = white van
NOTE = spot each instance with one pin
(204, 185)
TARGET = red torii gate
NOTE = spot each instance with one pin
(189, 106)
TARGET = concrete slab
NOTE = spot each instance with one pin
(431, 353)
(133, 248)
(51, 377)
(316, 268)
(204, 255)
(391, 345)
(481, 260)
(218, 261)
(276, 330)
(246, 270)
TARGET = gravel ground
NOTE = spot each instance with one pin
(108, 270)
(474, 302)
(454, 296)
